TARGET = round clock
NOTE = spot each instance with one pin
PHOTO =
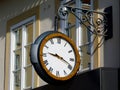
(55, 57)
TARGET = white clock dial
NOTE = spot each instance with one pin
(59, 57)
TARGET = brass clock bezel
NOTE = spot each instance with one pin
(77, 56)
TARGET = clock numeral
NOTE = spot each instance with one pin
(69, 67)
(69, 51)
(72, 59)
(65, 44)
(51, 40)
(57, 73)
(46, 62)
(44, 55)
(58, 40)
(46, 46)
(64, 72)
(50, 69)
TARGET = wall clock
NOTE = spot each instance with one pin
(55, 57)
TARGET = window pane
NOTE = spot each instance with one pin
(28, 76)
(72, 29)
(85, 57)
(18, 37)
(17, 80)
(27, 59)
(72, 34)
(29, 33)
(17, 62)
(84, 48)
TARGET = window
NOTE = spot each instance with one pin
(21, 71)
(78, 32)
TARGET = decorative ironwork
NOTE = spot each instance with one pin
(96, 26)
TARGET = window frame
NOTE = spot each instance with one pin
(79, 31)
(24, 22)
(33, 11)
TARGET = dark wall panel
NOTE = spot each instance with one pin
(98, 79)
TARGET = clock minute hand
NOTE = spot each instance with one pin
(59, 57)
(64, 61)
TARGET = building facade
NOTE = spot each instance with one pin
(22, 21)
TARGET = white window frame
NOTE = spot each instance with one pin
(12, 45)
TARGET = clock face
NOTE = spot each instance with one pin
(58, 57)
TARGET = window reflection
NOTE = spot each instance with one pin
(29, 33)
(17, 61)
(28, 77)
(17, 80)
(18, 37)
(27, 49)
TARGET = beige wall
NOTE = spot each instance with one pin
(12, 8)
(112, 46)
(47, 15)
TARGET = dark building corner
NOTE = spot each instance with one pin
(98, 79)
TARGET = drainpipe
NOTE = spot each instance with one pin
(92, 46)
(79, 31)
(63, 21)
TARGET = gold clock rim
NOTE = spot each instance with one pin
(60, 35)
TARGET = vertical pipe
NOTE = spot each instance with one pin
(92, 38)
(56, 23)
(63, 22)
(79, 31)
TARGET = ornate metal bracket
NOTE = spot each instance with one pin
(94, 25)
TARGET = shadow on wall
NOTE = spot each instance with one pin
(11, 9)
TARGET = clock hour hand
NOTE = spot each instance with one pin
(55, 55)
